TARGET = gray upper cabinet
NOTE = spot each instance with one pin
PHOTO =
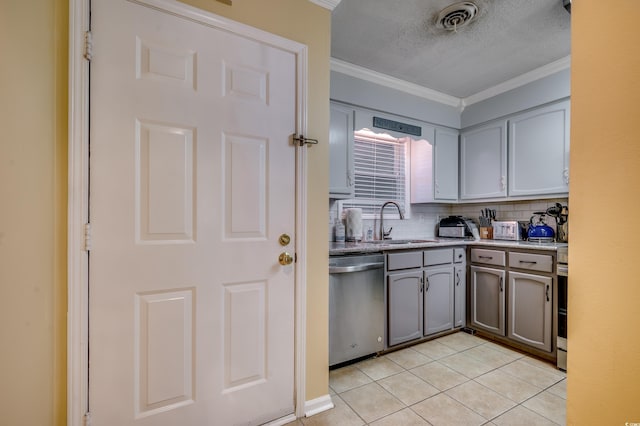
(539, 151)
(341, 184)
(422, 159)
(434, 165)
(446, 165)
(483, 162)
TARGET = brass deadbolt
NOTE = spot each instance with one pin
(284, 240)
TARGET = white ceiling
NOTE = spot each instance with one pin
(398, 38)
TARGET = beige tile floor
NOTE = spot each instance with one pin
(457, 379)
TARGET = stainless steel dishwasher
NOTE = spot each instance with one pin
(356, 306)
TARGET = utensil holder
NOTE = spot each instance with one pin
(486, 232)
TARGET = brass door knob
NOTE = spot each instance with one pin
(285, 258)
(284, 240)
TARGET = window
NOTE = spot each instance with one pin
(380, 173)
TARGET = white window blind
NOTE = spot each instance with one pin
(380, 173)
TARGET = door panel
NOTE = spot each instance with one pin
(488, 299)
(460, 297)
(530, 309)
(405, 306)
(192, 181)
(438, 299)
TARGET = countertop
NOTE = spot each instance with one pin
(388, 245)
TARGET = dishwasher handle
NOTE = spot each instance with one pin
(355, 268)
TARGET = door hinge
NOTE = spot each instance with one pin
(87, 237)
(88, 46)
(86, 419)
(301, 140)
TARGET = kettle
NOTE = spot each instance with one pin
(538, 230)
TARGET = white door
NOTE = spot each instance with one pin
(192, 182)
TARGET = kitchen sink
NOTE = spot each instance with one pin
(385, 242)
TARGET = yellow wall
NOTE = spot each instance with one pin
(604, 361)
(33, 119)
(604, 284)
(33, 186)
(309, 24)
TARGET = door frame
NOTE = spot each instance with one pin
(79, 231)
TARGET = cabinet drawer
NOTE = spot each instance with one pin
(488, 257)
(530, 261)
(438, 257)
(405, 260)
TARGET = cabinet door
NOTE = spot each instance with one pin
(405, 306)
(460, 296)
(530, 308)
(487, 299)
(341, 183)
(445, 165)
(483, 162)
(539, 151)
(438, 299)
(422, 159)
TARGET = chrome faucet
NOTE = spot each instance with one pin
(386, 235)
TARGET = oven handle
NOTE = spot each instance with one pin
(563, 270)
(355, 268)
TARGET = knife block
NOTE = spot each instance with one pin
(486, 232)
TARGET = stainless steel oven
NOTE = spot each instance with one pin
(562, 272)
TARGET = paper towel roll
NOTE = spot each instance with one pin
(353, 219)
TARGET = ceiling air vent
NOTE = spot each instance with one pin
(457, 15)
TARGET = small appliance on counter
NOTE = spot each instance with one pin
(457, 227)
(510, 230)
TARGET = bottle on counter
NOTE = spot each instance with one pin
(369, 235)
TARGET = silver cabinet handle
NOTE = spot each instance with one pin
(427, 289)
(501, 284)
(547, 292)
(486, 257)
(355, 268)
(457, 278)
(532, 262)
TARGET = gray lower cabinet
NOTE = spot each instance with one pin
(438, 299)
(422, 295)
(512, 295)
(460, 296)
(404, 301)
(530, 309)
(488, 299)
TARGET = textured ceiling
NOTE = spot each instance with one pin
(399, 38)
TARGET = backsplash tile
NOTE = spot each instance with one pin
(424, 217)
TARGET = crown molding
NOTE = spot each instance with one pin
(433, 95)
(521, 80)
(394, 83)
(327, 4)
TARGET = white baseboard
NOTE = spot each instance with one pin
(318, 405)
(282, 421)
